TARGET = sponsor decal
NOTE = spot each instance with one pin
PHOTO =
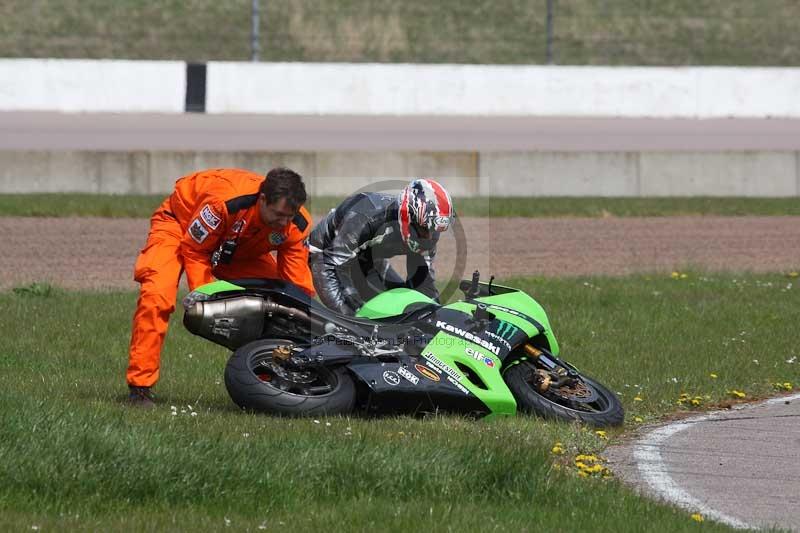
(498, 338)
(479, 356)
(406, 373)
(458, 385)
(506, 330)
(517, 313)
(468, 336)
(506, 310)
(276, 239)
(209, 217)
(237, 226)
(427, 372)
(442, 366)
(198, 231)
(391, 378)
(433, 367)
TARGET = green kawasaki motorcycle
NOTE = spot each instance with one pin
(491, 353)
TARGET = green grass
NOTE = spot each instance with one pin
(72, 456)
(622, 32)
(106, 205)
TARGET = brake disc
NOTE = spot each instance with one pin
(577, 391)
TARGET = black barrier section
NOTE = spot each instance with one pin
(196, 87)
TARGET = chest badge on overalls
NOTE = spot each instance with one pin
(276, 239)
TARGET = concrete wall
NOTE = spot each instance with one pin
(765, 174)
(62, 125)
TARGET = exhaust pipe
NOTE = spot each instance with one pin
(233, 322)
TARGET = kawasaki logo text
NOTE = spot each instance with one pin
(468, 336)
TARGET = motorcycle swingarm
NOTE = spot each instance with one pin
(324, 354)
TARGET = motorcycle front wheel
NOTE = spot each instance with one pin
(256, 382)
(544, 393)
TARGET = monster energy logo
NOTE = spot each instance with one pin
(506, 330)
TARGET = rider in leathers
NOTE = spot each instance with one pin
(350, 248)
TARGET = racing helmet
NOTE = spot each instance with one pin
(425, 210)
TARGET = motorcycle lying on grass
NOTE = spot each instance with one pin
(492, 353)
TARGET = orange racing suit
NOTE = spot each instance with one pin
(207, 209)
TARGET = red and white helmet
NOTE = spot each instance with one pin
(425, 210)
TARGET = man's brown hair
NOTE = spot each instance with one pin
(282, 182)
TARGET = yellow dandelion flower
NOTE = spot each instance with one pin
(737, 394)
(581, 465)
(675, 275)
(697, 517)
(638, 419)
(601, 434)
(581, 473)
(713, 376)
(586, 457)
(787, 385)
(557, 449)
(638, 398)
(793, 274)
(696, 402)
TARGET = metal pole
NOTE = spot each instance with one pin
(255, 47)
(549, 49)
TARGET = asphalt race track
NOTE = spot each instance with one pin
(230, 132)
(739, 466)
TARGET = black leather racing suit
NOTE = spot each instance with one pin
(350, 250)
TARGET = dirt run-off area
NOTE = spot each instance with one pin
(92, 253)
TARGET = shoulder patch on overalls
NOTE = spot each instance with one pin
(241, 202)
(300, 221)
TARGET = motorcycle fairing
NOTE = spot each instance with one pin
(392, 391)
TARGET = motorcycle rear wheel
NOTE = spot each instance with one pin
(255, 382)
(586, 400)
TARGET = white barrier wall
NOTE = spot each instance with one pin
(493, 90)
(87, 86)
(93, 86)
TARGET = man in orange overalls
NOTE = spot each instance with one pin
(217, 224)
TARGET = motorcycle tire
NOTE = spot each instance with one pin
(255, 382)
(604, 410)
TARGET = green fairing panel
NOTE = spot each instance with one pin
(518, 301)
(218, 286)
(455, 352)
(392, 303)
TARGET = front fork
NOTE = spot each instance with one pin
(556, 373)
(549, 360)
